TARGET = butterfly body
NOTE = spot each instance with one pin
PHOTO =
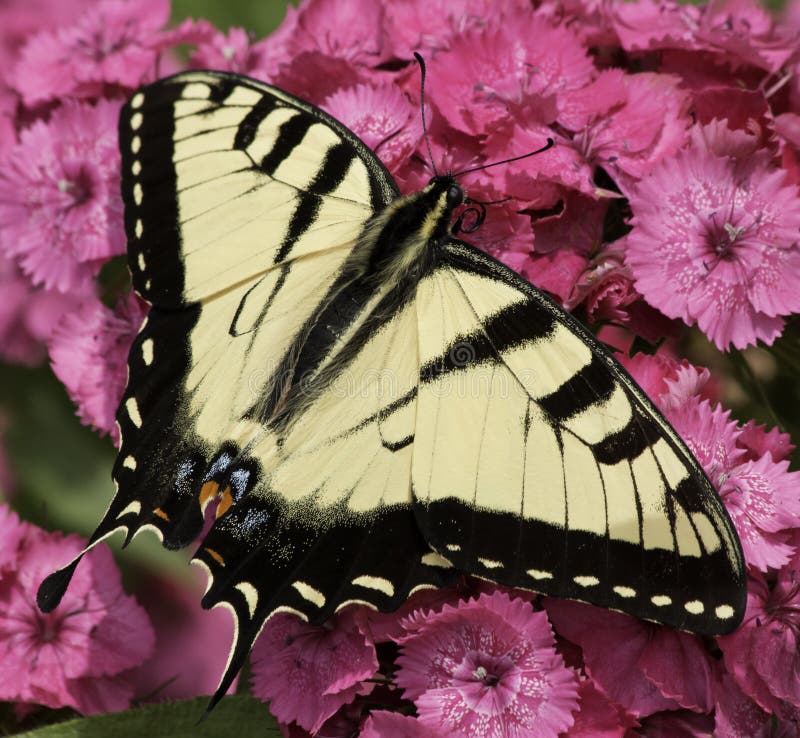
(373, 405)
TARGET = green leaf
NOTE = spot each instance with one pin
(236, 716)
(259, 19)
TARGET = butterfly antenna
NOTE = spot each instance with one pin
(549, 145)
(421, 63)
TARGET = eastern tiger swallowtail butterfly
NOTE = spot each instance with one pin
(373, 404)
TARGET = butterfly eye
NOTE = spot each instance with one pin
(455, 196)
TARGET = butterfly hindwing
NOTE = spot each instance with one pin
(540, 464)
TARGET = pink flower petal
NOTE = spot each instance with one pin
(598, 717)
(736, 715)
(613, 648)
(89, 353)
(308, 672)
(383, 724)
(678, 664)
(382, 117)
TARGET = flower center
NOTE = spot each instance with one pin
(48, 628)
(786, 608)
(79, 188)
(482, 675)
(726, 240)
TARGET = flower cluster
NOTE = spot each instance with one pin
(84, 653)
(669, 199)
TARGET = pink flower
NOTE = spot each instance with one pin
(308, 672)
(24, 17)
(710, 435)
(233, 51)
(745, 31)
(715, 242)
(642, 124)
(736, 714)
(351, 30)
(763, 499)
(17, 345)
(430, 25)
(651, 372)
(506, 234)
(383, 724)
(491, 73)
(486, 668)
(758, 441)
(737, 31)
(607, 293)
(380, 627)
(313, 76)
(684, 384)
(555, 272)
(578, 226)
(74, 656)
(382, 117)
(643, 667)
(763, 655)
(112, 43)
(60, 209)
(761, 495)
(89, 353)
(649, 24)
(741, 116)
(542, 181)
(722, 139)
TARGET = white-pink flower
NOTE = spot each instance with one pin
(60, 208)
(715, 242)
(487, 668)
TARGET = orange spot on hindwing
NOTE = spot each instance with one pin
(207, 493)
(214, 555)
(161, 514)
(225, 501)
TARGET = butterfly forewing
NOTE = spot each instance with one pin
(242, 206)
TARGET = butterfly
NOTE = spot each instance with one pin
(372, 404)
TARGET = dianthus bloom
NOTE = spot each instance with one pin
(74, 656)
(114, 42)
(715, 243)
(89, 351)
(763, 654)
(60, 209)
(308, 672)
(486, 668)
(641, 666)
(382, 117)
